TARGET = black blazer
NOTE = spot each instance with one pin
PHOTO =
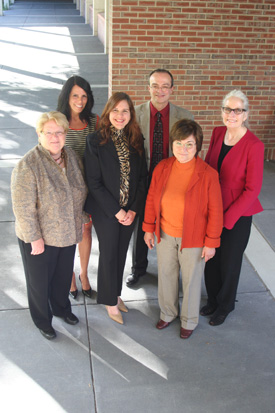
(102, 171)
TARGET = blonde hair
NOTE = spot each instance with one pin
(58, 117)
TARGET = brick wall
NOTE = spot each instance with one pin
(211, 47)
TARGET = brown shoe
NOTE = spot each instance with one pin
(122, 307)
(115, 317)
(185, 333)
(162, 324)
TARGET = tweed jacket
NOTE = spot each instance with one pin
(143, 117)
(47, 203)
(241, 174)
(203, 214)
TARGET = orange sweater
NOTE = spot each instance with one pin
(172, 202)
(203, 212)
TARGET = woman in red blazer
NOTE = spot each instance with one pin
(238, 155)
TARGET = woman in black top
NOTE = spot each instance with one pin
(76, 102)
(116, 174)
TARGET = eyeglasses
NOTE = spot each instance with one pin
(157, 87)
(237, 111)
(188, 146)
(50, 134)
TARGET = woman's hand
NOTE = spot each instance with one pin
(129, 218)
(208, 253)
(149, 240)
(120, 215)
(38, 247)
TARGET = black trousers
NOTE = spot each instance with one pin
(113, 239)
(48, 278)
(222, 272)
(140, 249)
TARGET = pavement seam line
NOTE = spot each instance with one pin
(262, 257)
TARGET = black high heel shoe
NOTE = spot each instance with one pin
(73, 294)
(87, 293)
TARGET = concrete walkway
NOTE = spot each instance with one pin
(98, 365)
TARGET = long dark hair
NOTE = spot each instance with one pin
(132, 129)
(63, 99)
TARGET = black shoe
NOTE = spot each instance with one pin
(49, 334)
(71, 319)
(73, 294)
(218, 319)
(87, 293)
(207, 310)
(133, 278)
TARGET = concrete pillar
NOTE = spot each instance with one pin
(88, 3)
(107, 25)
(98, 7)
(82, 7)
(6, 4)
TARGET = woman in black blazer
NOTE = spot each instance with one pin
(116, 175)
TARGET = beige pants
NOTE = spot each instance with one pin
(170, 261)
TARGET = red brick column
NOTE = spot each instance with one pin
(210, 47)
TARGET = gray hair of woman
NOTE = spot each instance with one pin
(236, 93)
(58, 117)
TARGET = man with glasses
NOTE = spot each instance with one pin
(156, 118)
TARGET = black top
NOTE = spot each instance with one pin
(224, 151)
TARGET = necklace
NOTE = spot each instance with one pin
(60, 159)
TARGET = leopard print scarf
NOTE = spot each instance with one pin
(122, 147)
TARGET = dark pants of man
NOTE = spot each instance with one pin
(140, 249)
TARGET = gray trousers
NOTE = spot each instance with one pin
(170, 261)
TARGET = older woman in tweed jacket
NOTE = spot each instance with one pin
(48, 194)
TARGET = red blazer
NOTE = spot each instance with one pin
(202, 222)
(241, 175)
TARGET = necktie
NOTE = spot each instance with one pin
(157, 143)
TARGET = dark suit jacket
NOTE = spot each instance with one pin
(102, 171)
(241, 174)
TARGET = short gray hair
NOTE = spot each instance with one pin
(236, 93)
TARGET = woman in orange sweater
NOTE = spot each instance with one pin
(184, 210)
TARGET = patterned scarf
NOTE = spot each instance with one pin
(122, 147)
